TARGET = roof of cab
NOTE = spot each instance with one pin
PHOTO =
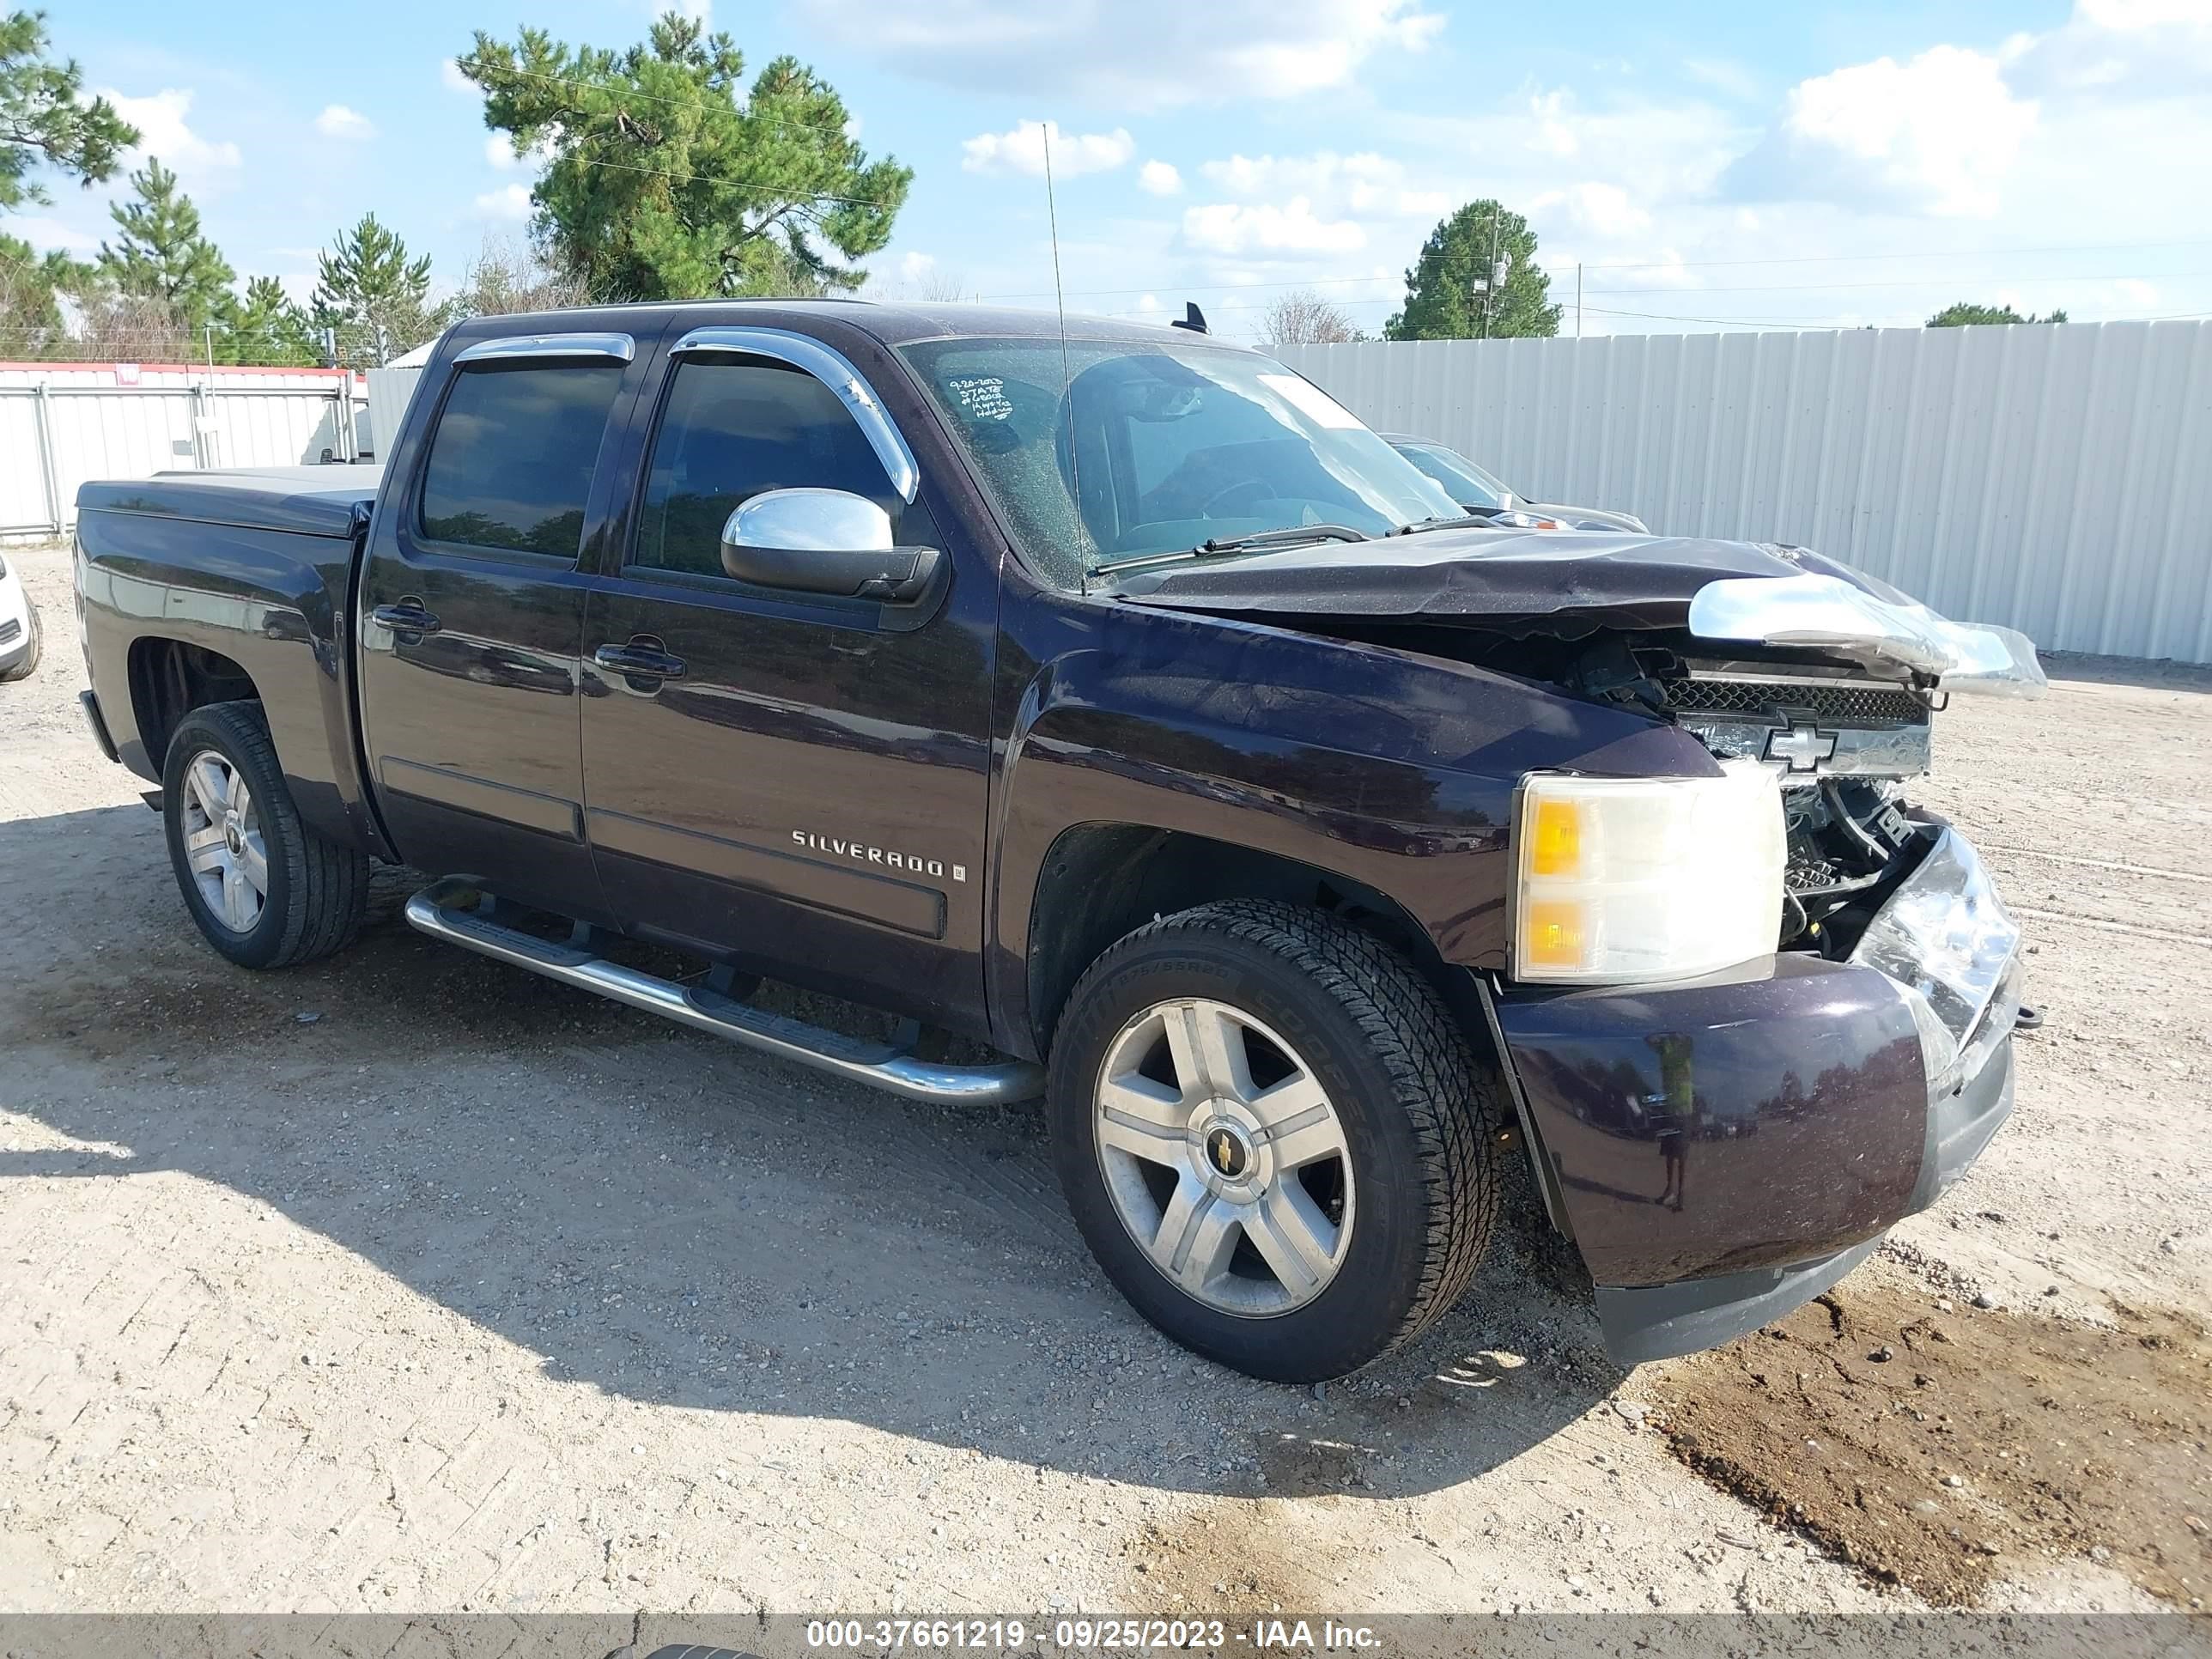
(894, 323)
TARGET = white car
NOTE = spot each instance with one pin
(19, 627)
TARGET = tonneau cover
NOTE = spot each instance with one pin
(304, 500)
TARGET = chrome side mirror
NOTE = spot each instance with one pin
(829, 541)
(814, 520)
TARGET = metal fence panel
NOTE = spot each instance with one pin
(2055, 479)
(59, 429)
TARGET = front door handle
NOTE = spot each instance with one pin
(410, 616)
(643, 656)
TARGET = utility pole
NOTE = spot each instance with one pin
(1489, 282)
(1578, 298)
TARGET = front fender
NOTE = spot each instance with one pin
(1394, 770)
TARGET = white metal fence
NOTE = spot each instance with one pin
(59, 427)
(2057, 479)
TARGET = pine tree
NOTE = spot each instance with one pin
(374, 297)
(1477, 279)
(669, 178)
(267, 327)
(161, 254)
(46, 117)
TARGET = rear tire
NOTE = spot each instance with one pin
(1326, 1195)
(22, 667)
(265, 889)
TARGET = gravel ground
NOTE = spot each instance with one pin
(410, 1282)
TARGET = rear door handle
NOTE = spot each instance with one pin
(642, 657)
(408, 617)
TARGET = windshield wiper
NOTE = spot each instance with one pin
(1290, 535)
(1456, 521)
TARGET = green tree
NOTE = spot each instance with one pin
(667, 178)
(374, 296)
(31, 287)
(266, 327)
(44, 118)
(162, 254)
(1477, 279)
(1965, 314)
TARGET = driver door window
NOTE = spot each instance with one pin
(733, 429)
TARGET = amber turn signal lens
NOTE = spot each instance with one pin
(1557, 847)
(1552, 935)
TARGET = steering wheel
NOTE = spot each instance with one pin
(1258, 488)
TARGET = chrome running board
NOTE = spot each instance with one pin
(457, 910)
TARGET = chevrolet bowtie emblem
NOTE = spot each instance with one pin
(1801, 748)
(1224, 1152)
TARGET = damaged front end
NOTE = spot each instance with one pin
(1723, 1143)
(1795, 1107)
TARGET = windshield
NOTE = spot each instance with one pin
(1470, 485)
(1172, 445)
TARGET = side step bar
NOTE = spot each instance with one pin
(455, 910)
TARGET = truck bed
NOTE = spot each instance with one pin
(304, 500)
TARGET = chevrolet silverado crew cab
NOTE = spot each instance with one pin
(1110, 699)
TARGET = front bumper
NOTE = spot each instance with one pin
(1724, 1148)
(16, 625)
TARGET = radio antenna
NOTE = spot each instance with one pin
(1060, 301)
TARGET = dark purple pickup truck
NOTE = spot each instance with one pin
(1115, 701)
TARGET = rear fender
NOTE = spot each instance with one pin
(274, 602)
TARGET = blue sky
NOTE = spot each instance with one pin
(1777, 165)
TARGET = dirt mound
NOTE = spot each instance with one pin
(1938, 1447)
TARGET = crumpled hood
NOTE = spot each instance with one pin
(1529, 582)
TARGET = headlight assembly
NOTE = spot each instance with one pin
(1626, 879)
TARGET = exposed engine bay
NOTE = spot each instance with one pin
(1842, 739)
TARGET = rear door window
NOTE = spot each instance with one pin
(512, 457)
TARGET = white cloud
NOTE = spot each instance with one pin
(499, 150)
(1939, 134)
(1367, 183)
(508, 202)
(1599, 209)
(916, 267)
(1022, 149)
(45, 235)
(163, 132)
(336, 121)
(449, 72)
(1139, 54)
(1236, 229)
(1160, 179)
(1550, 131)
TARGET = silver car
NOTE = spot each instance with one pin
(1478, 489)
(19, 627)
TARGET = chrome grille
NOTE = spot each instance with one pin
(1843, 701)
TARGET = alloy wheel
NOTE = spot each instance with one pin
(1223, 1156)
(223, 844)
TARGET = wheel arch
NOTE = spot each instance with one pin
(170, 677)
(1102, 880)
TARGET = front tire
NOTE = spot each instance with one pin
(265, 889)
(1272, 1138)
